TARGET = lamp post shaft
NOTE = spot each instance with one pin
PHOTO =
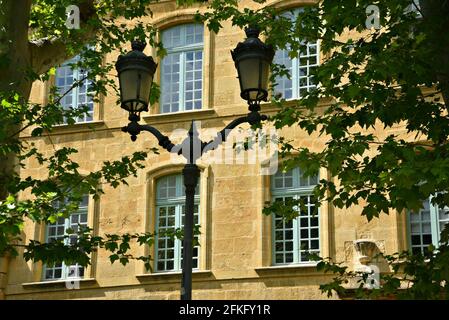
(191, 174)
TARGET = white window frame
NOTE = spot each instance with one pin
(183, 50)
(295, 77)
(77, 74)
(178, 202)
(65, 270)
(435, 228)
(295, 192)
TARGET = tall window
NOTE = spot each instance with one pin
(426, 226)
(170, 212)
(182, 68)
(301, 81)
(293, 240)
(78, 96)
(57, 231)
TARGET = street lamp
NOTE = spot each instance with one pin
(252, 60)
(136, 70)
(135, 73)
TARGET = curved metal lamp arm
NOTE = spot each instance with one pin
(222, 135)
(134, 128)
(252, 118)
(164, 141)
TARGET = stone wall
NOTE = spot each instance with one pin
(236, 247)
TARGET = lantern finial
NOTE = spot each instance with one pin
(252, 32)
(138, 45)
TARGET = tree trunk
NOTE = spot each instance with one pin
(435, 14)
(19, 57)
(4, 266)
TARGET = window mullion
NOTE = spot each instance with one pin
(156, 243)
(179, 180)
(434, 223)
(178, 221)
(295, 78)
(409, 231)
(182, 70)
(296, 239)
(177, 242)
(295, 177)
(66, 226)
(64, 271)
(75, 91)
(64, 267)
(182, 62)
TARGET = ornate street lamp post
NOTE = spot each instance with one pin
(136, 70)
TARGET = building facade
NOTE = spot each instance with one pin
(243, 254)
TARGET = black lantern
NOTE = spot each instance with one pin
(135, 72)
(252, 59)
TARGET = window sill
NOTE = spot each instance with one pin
(162, 118)
(85, 282)
(77, 127)
(269, 106)
(175, 277)
(304, 269)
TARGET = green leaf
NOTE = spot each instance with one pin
(37, 132)
(114, 257)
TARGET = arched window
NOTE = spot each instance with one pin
(56, 231)
(301, 81)
(182, 68)
(170, 212)
(78, 96)
(293, 240)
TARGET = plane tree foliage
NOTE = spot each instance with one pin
(380, 106)
(34, 40)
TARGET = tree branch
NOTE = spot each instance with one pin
(57, 101)
(46, 53)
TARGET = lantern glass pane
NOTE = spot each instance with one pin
(250, 73)
(128, 85)
(145, 86)
(265, 75)
(133, 98)
(260, 94)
